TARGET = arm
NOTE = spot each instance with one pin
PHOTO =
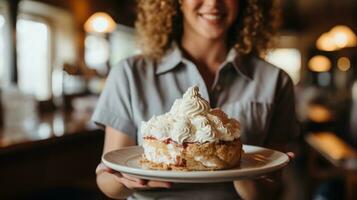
(106, 180)
(263, 188)
(114, 184)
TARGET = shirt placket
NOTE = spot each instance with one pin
(198, 79)
(217, 86)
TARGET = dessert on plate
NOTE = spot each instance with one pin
(191, 136)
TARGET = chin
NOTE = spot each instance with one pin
(212, 33)
(213, 36)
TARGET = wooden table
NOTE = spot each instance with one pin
(60, 151)
(341, 156)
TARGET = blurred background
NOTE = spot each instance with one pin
(56, 54)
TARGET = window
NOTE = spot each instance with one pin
(97, 52)
(2, 46)
(122, 44)
(102, 50)
(34, 58)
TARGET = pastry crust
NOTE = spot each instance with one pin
(193, 156)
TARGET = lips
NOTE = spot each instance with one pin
(212, 16)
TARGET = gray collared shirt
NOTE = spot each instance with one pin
(251, 90)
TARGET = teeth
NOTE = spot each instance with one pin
(211, 16)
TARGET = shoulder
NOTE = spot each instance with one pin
(266, 71)
(262, 66)
(133, 64)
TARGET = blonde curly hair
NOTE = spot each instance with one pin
(159, 22)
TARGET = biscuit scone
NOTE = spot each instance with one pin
(191, 136)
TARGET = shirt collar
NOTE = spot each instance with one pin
(173, 58)
(240, 63)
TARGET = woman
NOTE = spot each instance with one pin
(210, 43)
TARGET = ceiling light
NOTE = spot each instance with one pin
(319, 63)
(337, 38)
(343, 64)
(100, 22)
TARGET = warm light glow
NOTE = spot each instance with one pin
(343, 64)
(340, 39)
(343, 36)
(100, 22)
(332, 146)
(337, 38)
(319, 64)
(319, 114)
(325, 43)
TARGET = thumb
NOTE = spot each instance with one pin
(103, 168)
(291, 155)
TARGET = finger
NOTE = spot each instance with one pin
(118, 174)
(291, 155)
(267, 178)
(160, 184)
(141, 181)
(103, 168)
(131, 184)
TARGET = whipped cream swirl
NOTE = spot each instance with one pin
(192, 120)
(193, 104)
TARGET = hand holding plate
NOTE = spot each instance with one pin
(132, 182)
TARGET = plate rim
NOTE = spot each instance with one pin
(198, 175)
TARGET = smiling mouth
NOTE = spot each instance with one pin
(211, 16)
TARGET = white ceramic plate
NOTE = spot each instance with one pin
(255, 162)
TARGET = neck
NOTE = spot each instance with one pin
(207, 53)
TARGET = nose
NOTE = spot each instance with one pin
(212, 2)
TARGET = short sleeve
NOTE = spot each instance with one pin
(284, 126)
(114, 105)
